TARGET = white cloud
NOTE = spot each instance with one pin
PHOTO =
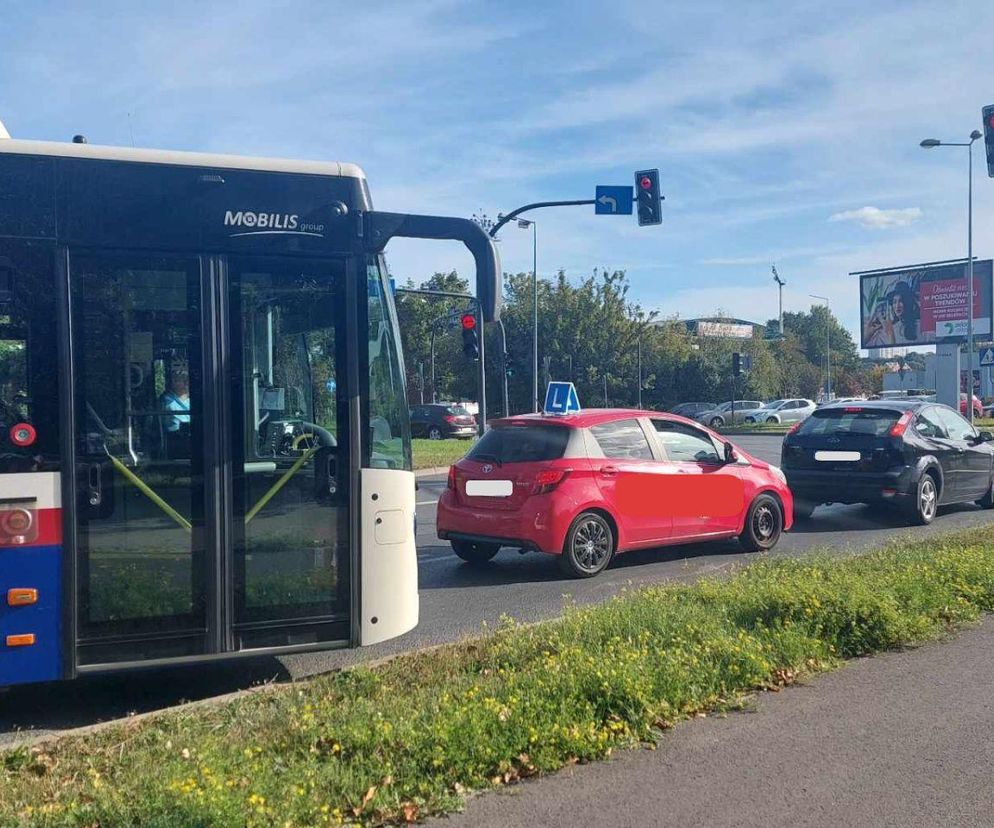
(877, 219)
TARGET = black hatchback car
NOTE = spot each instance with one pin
(440, 420)
(914, 454)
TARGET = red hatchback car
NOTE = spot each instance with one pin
(585, 486)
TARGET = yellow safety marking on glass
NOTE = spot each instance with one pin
(146, 490)
(279, 484)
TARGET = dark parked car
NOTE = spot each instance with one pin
(691, 409)
(441, 420)
(912, 453)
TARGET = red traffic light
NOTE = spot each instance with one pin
(468, 321)
(645, 182)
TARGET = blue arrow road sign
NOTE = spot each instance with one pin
(561, 398)
(613, 201)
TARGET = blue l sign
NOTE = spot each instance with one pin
(613, 201)
(561, 398)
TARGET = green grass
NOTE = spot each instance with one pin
(430, 453)
(410, 737)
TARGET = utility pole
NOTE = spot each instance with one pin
(780, 282)
(640, 369)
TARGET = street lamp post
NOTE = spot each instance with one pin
(780, 283)
(525, 224)
(929, 143)
(828, 341)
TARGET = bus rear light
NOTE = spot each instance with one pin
(21, 640)
(17, 526)
(23, 434)
(22, 597)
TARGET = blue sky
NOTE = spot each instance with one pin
(784, 132)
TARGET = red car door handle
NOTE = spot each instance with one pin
(609, 470)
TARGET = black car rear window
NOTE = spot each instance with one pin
(521, 444)
(875, 422)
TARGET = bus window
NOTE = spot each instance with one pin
(28, 360)
(389, 441)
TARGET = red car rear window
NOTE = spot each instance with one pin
(521, 444)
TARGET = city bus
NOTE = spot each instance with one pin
(204, 440)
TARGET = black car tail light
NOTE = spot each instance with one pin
(898, 429)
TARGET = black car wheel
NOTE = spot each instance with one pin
(589, 546)
(716, 422)
(926, 502)
(763, 525)
(772, 420)
(476, 554)
(434, 433)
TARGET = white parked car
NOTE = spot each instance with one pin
(782, 411)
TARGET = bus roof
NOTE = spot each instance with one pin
(184, 159)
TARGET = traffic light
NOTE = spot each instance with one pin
(470, 343)
(741, 363)
(647, 197)
(988, 115)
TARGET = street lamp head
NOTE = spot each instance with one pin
(975, 135)
(928, 143)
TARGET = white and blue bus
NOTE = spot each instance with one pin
(204, 439)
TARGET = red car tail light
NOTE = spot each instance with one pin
(546, 481)
(449, 418)
(451, 482)
(898, 429)
(794, 427)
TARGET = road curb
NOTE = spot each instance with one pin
(431, 470)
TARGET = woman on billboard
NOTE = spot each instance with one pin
(895, 319)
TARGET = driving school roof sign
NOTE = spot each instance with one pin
(561, 398)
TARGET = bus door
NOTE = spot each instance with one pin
(288, 437)
(145, 544)
(211, 464)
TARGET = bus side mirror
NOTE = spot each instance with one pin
(489, 276)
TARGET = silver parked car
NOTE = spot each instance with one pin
(782, 411)
(722, 414)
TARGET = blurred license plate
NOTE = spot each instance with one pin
(836, 456)
(489, 488)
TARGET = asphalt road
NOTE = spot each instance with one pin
(896, 740)
(455, 601)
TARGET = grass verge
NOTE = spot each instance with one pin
(430, 453)
(412, 736)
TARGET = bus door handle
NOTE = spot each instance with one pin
(94, 487)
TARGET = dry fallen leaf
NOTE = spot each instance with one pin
(365, 800)
(410, 811)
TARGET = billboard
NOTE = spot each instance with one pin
(730, 330)
(923, 304)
